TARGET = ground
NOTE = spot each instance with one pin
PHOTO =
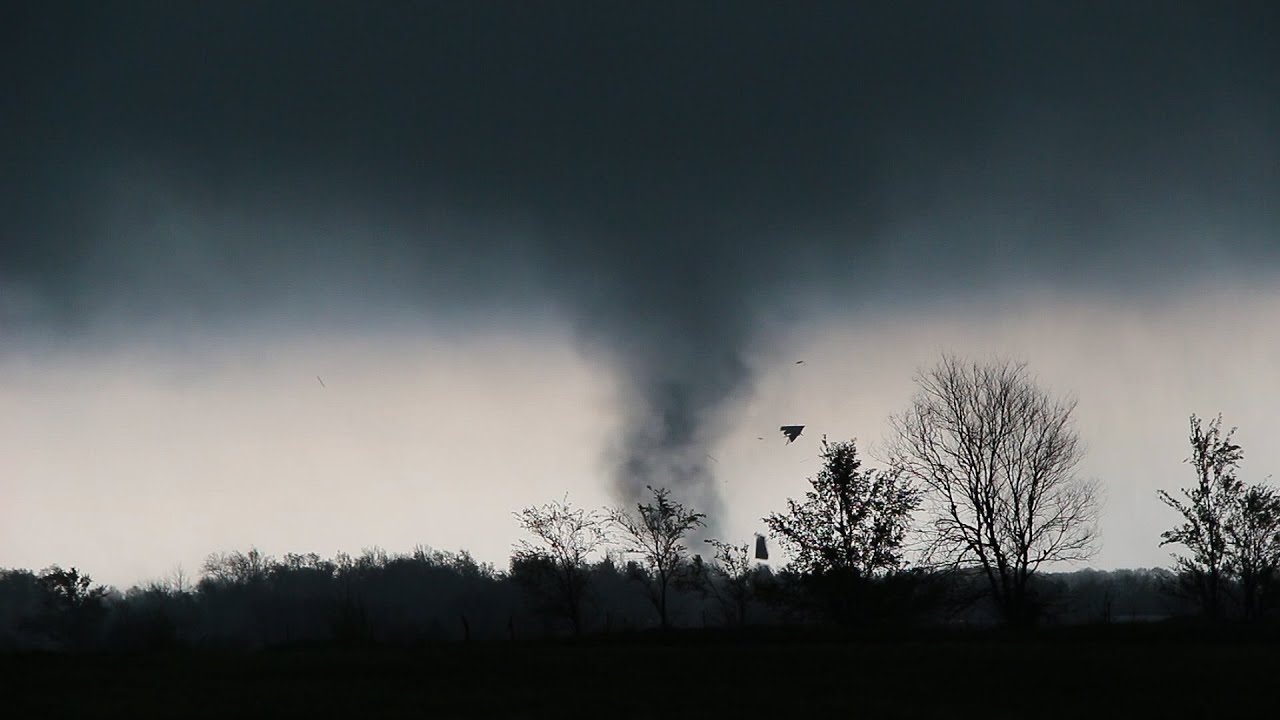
(1041, 676)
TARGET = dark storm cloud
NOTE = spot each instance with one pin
(665, 172)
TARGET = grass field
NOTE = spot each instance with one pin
(1084, 675)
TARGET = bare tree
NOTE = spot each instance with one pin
(997, 458)
(656, 533)
(237, 568)
(564, 538)
(178, 582)
(730, 579)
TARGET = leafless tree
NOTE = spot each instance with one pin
(564, 538)
(730, 579)
(996, 456)
(237, 568)
(178, 582)
(656, 532)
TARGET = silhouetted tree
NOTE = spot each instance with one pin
(851, 519)
(73, 607)
(153, 616)
(178, 582)
(69, 590)
(20, 600)
(1253, 532)
(565, 537)
(1206, 513)
(237, 567)
(1232, 530)
(656, 533)
(729, 578)
(850, 528)
(996, 456)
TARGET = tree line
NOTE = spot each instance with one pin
(980, 495)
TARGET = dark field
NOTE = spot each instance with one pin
(1082, 675)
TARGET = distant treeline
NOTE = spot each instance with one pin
(246, 600)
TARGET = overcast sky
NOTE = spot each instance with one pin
(546, 248)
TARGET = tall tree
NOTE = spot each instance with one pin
(1231, 530)
(656, 532)
(564, 538)
(851, 520)
(1253, 532)
(1205, 512)
(70, 590)
(997, 456)
(73, 606)
(851, 528)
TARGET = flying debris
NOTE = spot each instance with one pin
(762, 551)
(792, 432)
(321, 382)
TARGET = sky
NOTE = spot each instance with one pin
(319, 276)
